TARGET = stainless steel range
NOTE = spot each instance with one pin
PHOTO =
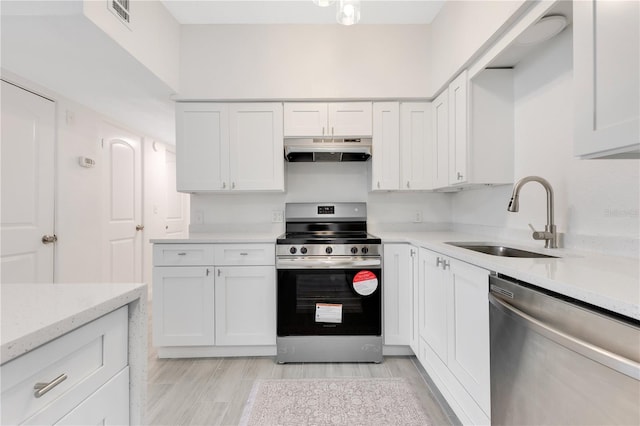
(329, 285)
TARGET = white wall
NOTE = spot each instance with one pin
(461, 29)
(304, 61)
(79, 198)
(596, 201)
(152, 36)
(320, 182)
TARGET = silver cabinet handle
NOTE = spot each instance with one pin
(219, 272)
(224, 185)
(233, 185)
(439, 261)
(378, 184)
(408, 184)
(49, 239)
(182, 253)
(460, 176)
(207, 272)
(244, 254)
(445, 264)
(42, 388)
(139, 227)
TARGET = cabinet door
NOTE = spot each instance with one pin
(414, 312)
(245, 305)
(183, 306)
(458, 130)
(396, 291)
(347, 119)
(109, 405)
(606, 57)
(440, 141)
(433, 306)
(305, 119)
(202, 146)
(415, 148)
(256, 150)
(468, 340)
(385, 161)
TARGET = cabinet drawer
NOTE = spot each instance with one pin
(245, 254)
(89, 356)
(183, 254)
(109, 405)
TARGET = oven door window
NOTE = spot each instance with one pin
(324, 302)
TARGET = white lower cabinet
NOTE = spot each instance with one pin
(87, 367)
(225, 301)
(454, 333)
(245, 305)
(397, 294)
(183, 306)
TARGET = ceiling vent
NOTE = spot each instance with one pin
(120, 8)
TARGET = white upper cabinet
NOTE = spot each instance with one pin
(256, 159)
(229, 147)
(440, 141)
(401, 154)
(202, 146)
(326, 120)
(473, 131)
(606, 66)
(415, 147)
(458, 129)
(385, 158)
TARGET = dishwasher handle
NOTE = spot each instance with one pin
(598, 354)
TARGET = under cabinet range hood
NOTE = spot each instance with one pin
(327, 150)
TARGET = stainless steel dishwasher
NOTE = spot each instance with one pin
(555, 361)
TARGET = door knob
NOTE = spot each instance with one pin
(49, 239)
(139, 227)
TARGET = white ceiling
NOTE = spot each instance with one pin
(299, 11)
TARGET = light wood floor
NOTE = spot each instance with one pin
(213, 391)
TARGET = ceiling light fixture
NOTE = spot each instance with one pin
(324, 3)
(348, 12)
(543, 30)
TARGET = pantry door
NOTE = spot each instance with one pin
(122, 189)
(27, 187)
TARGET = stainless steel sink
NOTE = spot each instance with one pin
(499, 250)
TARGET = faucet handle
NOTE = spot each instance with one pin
(540, 235)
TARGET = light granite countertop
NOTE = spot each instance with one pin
(610, 282)
(221, 238)
(34, 314)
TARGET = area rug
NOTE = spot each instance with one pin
(337, 401)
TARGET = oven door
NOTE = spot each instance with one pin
(330, 300)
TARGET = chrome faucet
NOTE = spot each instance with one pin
(549, 234)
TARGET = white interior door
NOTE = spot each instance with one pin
(27, 209)
(177, 220)
(122, 181)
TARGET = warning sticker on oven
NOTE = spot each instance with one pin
(329, 312)
(365, 283)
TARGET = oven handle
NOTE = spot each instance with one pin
(328, 263)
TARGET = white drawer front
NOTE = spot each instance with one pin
(109, 405)
(89, 356)
(245, 254)
(183, 254)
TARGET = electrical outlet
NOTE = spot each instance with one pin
(417, 216)
(277, 216)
